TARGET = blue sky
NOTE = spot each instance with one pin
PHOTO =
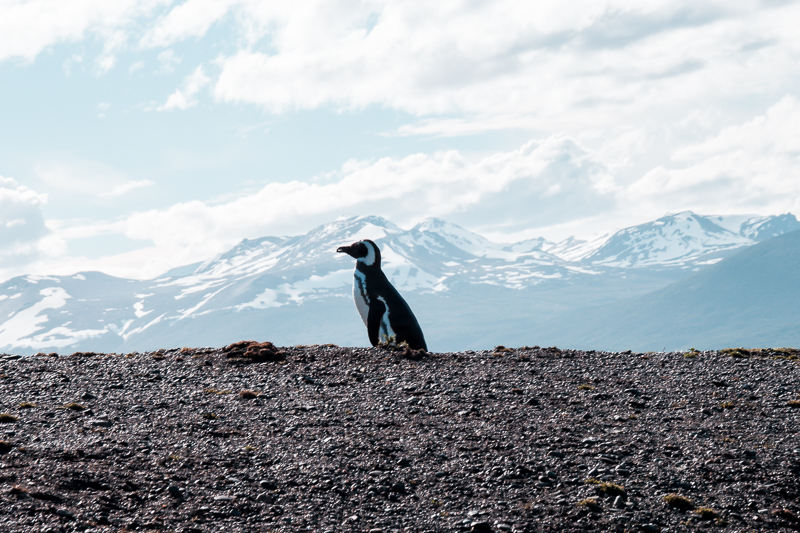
(139, 135)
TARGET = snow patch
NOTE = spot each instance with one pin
(16, 330)
(138, 309)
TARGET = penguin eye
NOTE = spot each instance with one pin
(363, 251)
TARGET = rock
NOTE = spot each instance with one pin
(480, 527)
(312, 454)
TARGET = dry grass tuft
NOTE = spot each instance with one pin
(589, 503)
(6, 418)
(245, 352)
(248, 394)
(706, 513)
(678, 501)
(737, 353)
(611, 489)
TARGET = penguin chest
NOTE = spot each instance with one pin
(360, 295)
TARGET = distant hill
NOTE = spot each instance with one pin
(751, 298)
(468, 292)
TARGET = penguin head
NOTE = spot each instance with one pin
(365, 252)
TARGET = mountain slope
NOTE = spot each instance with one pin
(750, 298)
(467, 291)
(673, 239)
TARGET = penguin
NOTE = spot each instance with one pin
(386, 315)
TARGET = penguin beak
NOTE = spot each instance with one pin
(349, 250)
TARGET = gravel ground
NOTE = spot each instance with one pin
(323, 438)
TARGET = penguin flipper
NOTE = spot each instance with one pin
(376, 311)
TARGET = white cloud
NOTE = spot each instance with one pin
(21, 223)
(168, 61)
(136, 65)
(192, 18)
(547, 65)
(752, 167)
(504, 192)
(28, 27)
(127, 187)
(88, 179)
(543, 188)
(184, 97)
(541, 178)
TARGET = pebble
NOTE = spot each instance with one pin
(480, 527)
(397, 470)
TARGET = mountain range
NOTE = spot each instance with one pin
(468, 292)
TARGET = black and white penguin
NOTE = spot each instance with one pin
(386, 315)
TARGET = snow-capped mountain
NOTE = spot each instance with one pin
(463, 287)
(684, 239)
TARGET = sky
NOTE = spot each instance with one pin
(141, 135)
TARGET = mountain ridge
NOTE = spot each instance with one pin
(295, 289)
(750, 298)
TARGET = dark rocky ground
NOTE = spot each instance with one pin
(338, 439)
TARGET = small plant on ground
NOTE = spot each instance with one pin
(793, 403)
(585, 387)
(706, 513)
(75, 407)
(6, 418)
(27, 405)
(217, 391)
(727, 405)
(593, 481)
(678, 501)
(209, 416)
(691, 354)
(248, 394)
(738, 353)
(590, 503)
(611, 489)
